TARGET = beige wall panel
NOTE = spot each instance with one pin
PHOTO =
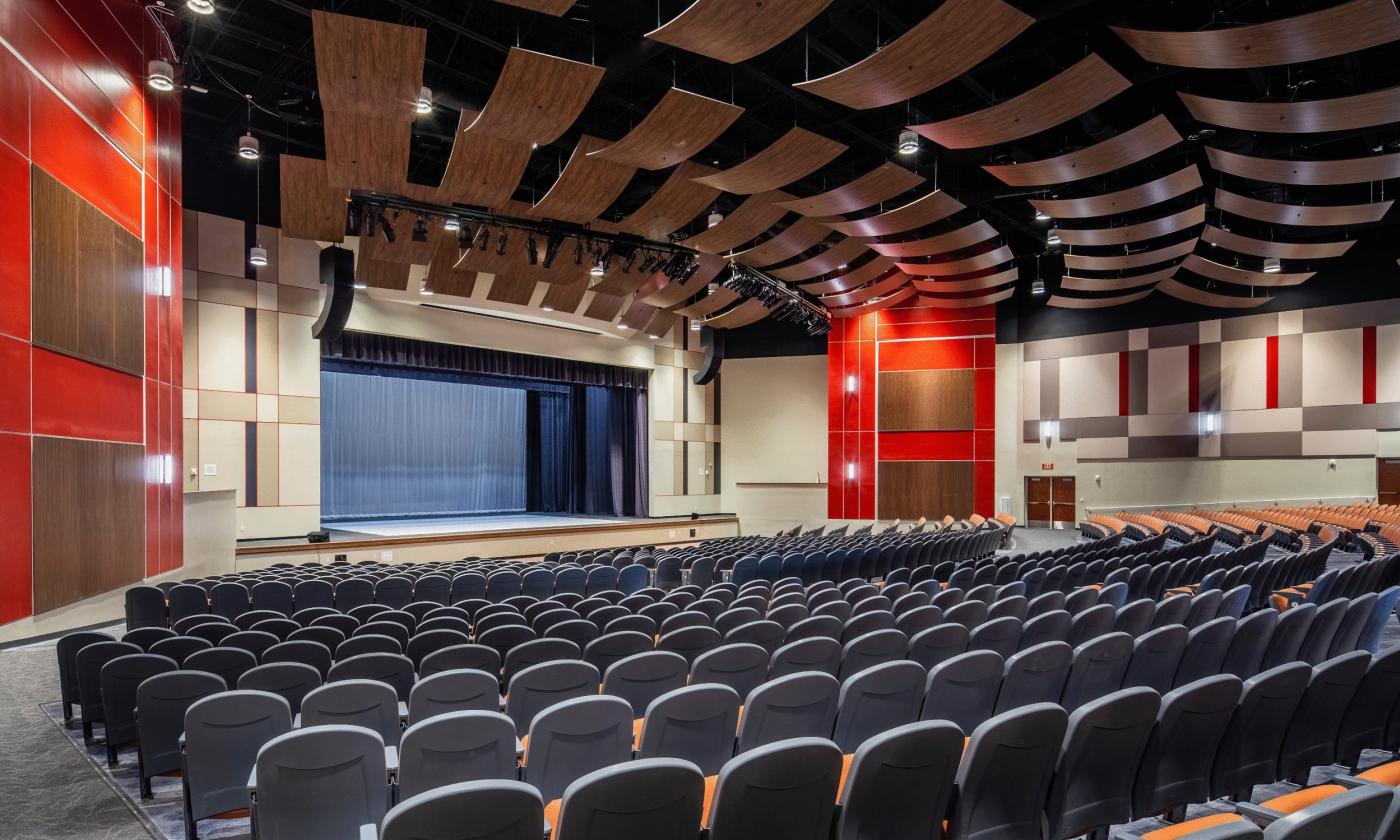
(221, 347)
(189, 404)
(221, 248)
(222, 443)
(233, 291)
(287, 521)
(299, 357)
(191, 455)
(1339, 443)
(1114, 447)
(303, 410)
(269, 467)
(1030, 388)
(267, 332)
(1243, 374)
(699, 485)
(299, 459)
(190, 310)
(228, 405)
(695, 401)
(268, 238)
(267, 408)
(299, 301)
(267, 295)
(1332, 367)
(1262, 420)
(298, 262)
(1388, 363)
(189, 288)
(662, 468)
(661, 398)
(1162, 425)
(1167, 375)
(1089, 386)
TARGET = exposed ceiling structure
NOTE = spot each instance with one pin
(1213, 152)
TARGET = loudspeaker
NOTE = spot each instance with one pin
(713, 342)
(318, 536)
(338, 276)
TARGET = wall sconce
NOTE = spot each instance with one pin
(851, 471)
(851, 383)
(1049, 430)
(1209, 423)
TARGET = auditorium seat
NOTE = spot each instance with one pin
(795, 706)
(785, 790)
(1001, 798)
(575, 737)
(694, 723)
(323, 782)
(453, 747)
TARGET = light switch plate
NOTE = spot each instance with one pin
(211, 469)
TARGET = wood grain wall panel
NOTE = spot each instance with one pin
(1244, 277)
(1271, 248)
(793, 240)
(1124, 234)
(898, 296)
(678, 127)
(586, 187)
(367, 153)
(564, 297)
(311, 207)
(1341, 29)
(925, 400)
(956, 37)
(1341, 113)
(366, 66)
(911, 489)
(1308, 173)
(89, 518)
(1178, 183)
(1133, 145)
(736, 30)
(603, 307)
(536, 97)
(675, 203)
(1087, 84)
(1138, 259)
(709, 304)
(1191, 294)
(953, 240)
(795, 155)
(882, 183)
(757, 213)
(925, 210)
(1300, 214)
(949, 268)
(88, 296)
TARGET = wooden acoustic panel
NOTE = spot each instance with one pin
(678, 127)
(867, 292)
(953, 240)
(925, 210)
(1135, 144)
(969, 301)
(1191, 294)
(925, 400)
(882, 183)
(537, 97)
(1137, 259)
(892, 299)
(1089, 83)
(1115, 284)
(1241, 276)
(380, 274)
(311, 207)
(709, 304)
(1308, 173)
(89, 521)
(87, 276)
(795, 155)
(619, 282)
(637, 315)
(948, 268)
(756, 214)
(366, 153)
(861, 274)
(603, 307)
(1300, 214)
(586, 187)
(1271, 248)
(957, 36)
(554, 8)
(1069, 302)
(736, 30)
(833, 258)
(1127, 200)
(367, 67)
(1150, 229)
(933, 489)
(793, 240)
(744, 314)
(1342, 113)
(678, 200)
(564, 297)
(971, 284)
(673, 294)
(1344, 28)
(481, 171)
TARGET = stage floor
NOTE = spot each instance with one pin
(464, 525)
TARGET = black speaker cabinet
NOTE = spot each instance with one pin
(338, 276)
(713, 342)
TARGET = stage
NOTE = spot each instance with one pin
(505, 535)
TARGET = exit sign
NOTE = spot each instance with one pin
(1047, 467)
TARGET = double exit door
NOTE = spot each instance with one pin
(1388, 481)
(1050, 501)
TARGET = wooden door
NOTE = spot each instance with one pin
(1388, 481)
(1062, 501)
(1038, 500)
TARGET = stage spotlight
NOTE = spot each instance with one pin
(483, 238)
(578, 252)
(420, 230)
(551, 248)
(424, 103)
(451, 223)
(501, 243)
(628, 260)
(530, 252)
(598, 268)
(248, 147)
(386, 227)
(200, 7)
(160, 75)
(464, 238)
(908, 142)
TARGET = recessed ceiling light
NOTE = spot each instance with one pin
(1272, 265)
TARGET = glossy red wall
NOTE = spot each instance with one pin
(74, 103)
(911, 337)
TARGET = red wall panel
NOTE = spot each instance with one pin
(14, 244)
(14, 385)
(940, 354)
(1368, 365)
(1271, 372)
(926, 446)
(16, 598)
(74, 398)
(84, 161)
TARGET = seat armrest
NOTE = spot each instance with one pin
(391, 759)
(369, 832)
(1257, 814)
(253, 783)
(1349, 781)
(403, 711)
(296, 720)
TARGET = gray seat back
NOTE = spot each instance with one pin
(1052, 626)
(1176, 762)
(1035, 675)
(783, 790)
(900, 782)
(120, 678)
(1317, 643)
(643, 677)
(323, 782)
(1249, 752)
(392, 669)
(1098, 669)
(1135, 619)
(1156, 658)
(1001, 635)
(1005, 773)
(1092, 623)
(742, 667)
(537, 652)
(461, 690)
(458, 657)
(611, 647)
(1311, 737)
(223, 734)
(796, 706)
(1251, 640)
(871, 649)
(456, 747)
(939, 644)
(876, 699)
(541, 686)
(1288, 636)
(1206, 647)
(291, 681)
(161, 703)
(695, 723)
(488, 810)
(1093, 783)
(819, 653)
(657, 798)
(1369, 716)
(365, 703)
(963, 689)
(576, 737)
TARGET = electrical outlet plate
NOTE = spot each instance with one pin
(211, 469)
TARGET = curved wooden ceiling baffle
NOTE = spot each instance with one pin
(603, 307)
(897, 296)
(564, 297)
(795, 155)
(1084, 86)
(969, 302)
(482, 170)
(586, 187)
(676, 202)
(1065, 302)
(679, 126)
(1191, 294)
(311, 207)
(709, 304)
(755, 215)
(1133, 145)
(958, 36)
(1270, 248)
(537, 97)
(1178, 183)
(832, 259)
(1197, 264)
(953, 240)
(1307, 173)
(930, 208)
(971, 284)
(378, 274)
(1114, 284)
(1300, 214)
(673, 294)
(1150, 229)
(619, 282)
(736, 30)
(796, 238)
(1117, 262)
(545, 7)
(1322, 34)
(1340, 114)
(637, 315)
(991, 258)
(857, 276)
(866, 292)
(882, 183)
(745, 313)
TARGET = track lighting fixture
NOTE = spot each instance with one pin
(598, 269)
(627, 262)
(501, 242)
(451, 223)
(464, 238)
(1052, 238)
(483, 238)
(257, 256)
(200, 7)
(248, 147)
(551, 248)
(908, 142)
(160, 75)
(578, 252)
(387, 229)
(424, 103)
(1272, 265)
(1041, 215)
(420, 230)
(530, 253)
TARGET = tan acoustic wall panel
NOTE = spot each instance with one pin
(925, 400)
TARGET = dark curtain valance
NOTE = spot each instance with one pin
(397, 351)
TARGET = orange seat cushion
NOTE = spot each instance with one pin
(710, 782)
(1386, 774)
(637, 733)
(1190, 827)
(845, 770)
(1300, 799)
(551, 812)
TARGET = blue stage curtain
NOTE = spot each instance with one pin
(614, 480)
(551, 451)
(398, 446)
